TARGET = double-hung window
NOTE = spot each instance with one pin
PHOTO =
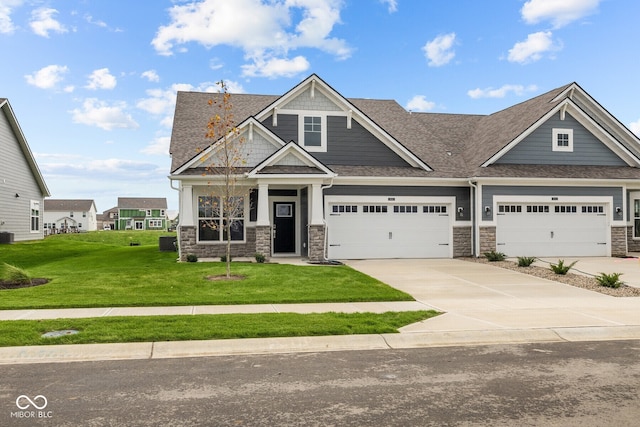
(313, 131)
(211, 219)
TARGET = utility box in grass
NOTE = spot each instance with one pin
(6, 238)
(168, 243)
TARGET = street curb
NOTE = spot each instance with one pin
(181, 349)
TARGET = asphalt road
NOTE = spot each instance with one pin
(555, 384)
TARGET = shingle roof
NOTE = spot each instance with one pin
(142, 203)
(67, 205)
(453, 145)
(192, 115)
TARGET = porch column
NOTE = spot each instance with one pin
(263, 205)
(263, 226)
(317, 218)
(186, 206)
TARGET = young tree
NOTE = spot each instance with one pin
(225, 205)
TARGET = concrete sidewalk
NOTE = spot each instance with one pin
(352, 307)
(482, 304)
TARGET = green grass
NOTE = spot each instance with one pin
(101, 269)
(204, 327)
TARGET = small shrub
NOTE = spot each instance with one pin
(260, 258)
(495, 256)
(610, 280)
(526, 261)
(223, 258)
(12, 273)
(192, 258)
(562, 269)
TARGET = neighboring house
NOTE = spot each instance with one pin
(107, 219)
(136, 213)
(332, 177)
(22, 188)
(69, 216)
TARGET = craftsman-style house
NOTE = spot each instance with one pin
(326, 176)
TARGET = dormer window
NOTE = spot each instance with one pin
(562, 140)
(313, 132)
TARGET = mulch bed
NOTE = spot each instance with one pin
(577, 280)
(17, 285)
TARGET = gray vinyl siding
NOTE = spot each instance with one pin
(537, 147)
(16, 178)
(347, 147)
(355, 146)
(287, 128)
(462, 194)
(490, 191)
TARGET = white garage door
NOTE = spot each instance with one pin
(525, 229)
(374, 230)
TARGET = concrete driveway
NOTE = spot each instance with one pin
(478, 296)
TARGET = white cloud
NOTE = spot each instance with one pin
(419, 103)
(501, 92)
(531, 50)
(558, 12)
(635, 127)
(101, 79)
(276, 67)
(158, 147)
(265, 30)
(47, 77)
(151, 75)
(100, 114)
(392, 5)
(43, 22)
(6, 8)
(439, 50)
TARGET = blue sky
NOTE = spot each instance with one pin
(93, 83)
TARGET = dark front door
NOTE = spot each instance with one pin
(284, 226)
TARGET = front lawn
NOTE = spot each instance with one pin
(203, 327)
(101, 269)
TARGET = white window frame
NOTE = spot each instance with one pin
(219, 216)
(323, 131)
(558, 131)
(138, 223)
(34, 216)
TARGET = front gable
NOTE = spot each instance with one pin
(258, 143)
(581, 147)
(291, 160)
(585, 141)
(326, 124)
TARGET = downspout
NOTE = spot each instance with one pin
(325, 249)
(475, 224)
(178, 227)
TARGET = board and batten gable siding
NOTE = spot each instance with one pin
(537, 148)
(16, 177)
(346, 147)
(462, 194)
(491, 191)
